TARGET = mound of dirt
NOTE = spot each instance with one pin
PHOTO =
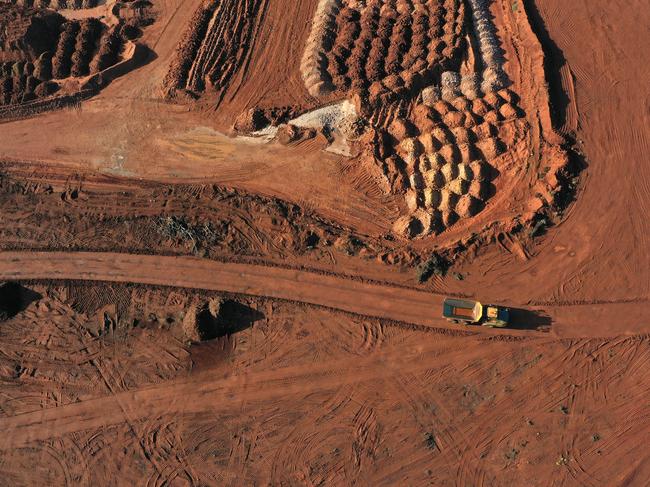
(27, 33)
(217, 317)
(62, 60)
(85, 46)
(107, 55)
(43, 67)
(45, 89)
(201, 322)
(362, 43)
(251, 120)
(289, 133)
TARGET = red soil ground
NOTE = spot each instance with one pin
(342, 372)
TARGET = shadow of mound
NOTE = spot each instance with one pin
(553, 61)
(217, 333)
(232, 318)
(15, 298)
(525, 319)
(142, 56)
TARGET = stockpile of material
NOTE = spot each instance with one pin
(494, 78)
(314, 61)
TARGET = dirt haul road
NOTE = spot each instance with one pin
(358, 297)
(336, 292)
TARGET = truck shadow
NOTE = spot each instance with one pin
(526, 319)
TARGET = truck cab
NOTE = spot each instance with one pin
(496, 316)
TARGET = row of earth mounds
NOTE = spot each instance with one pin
(355, 44)
(57, 4)
(83, 47)
(27, 32)
(427, 78)
(213, 48)
(490, 53)
(41, 49)
(440, 156)
(434, 132)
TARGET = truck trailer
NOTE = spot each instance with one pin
(473, 312)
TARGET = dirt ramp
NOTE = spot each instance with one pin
(215, 46)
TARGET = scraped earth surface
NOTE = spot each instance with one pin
(226, 235)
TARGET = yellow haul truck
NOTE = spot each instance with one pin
(465, 311)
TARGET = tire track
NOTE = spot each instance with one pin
(225, 393)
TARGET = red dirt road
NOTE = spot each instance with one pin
(336, 292)
(354, 296)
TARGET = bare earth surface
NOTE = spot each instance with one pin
(133, 221)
